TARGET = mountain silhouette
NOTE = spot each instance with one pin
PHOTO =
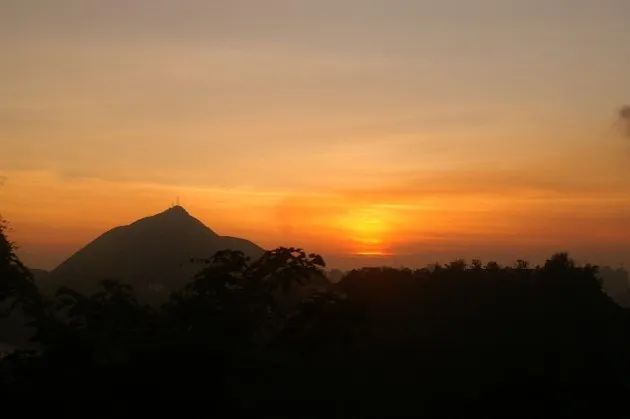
(152, 253)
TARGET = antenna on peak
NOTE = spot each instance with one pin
(178, 201)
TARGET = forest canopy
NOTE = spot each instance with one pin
(439, 340)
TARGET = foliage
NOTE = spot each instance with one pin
(17, 288)
(446, 339)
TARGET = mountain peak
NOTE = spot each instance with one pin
(176, 209)
(174, 218)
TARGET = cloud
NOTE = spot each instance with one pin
(624, 118)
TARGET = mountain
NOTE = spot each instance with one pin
(153, 253)
(616, 283)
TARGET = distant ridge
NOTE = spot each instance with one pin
(152, 252)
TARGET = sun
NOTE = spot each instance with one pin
(368, 229)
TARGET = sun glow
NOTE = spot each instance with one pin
(368, 229)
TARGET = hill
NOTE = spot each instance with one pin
(153, 253)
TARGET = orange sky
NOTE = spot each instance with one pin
(438, 217)
(370, 131)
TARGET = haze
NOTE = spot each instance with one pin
(374, 132)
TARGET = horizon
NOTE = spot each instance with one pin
(351, 261)
(369, 132)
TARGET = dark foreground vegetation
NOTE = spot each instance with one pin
(272, 334)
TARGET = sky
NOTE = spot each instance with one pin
(373, 132)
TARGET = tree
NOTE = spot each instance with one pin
(17, 287)
(282, 267)
(238, 298)
(521, 265)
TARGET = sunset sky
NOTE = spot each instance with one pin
(374, 132)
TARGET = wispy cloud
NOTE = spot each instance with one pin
(624, 117)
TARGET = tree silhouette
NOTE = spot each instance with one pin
(282, 267)
(17, 287)
(445, 340)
